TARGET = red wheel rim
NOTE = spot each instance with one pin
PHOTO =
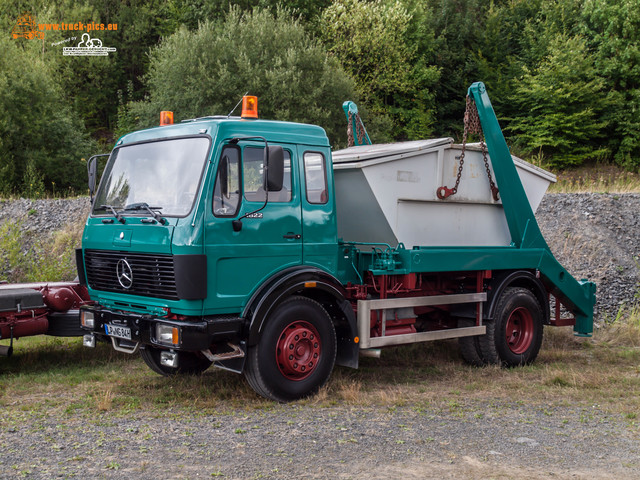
(519, 331)
(298, 350)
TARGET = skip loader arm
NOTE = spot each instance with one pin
(577, 296)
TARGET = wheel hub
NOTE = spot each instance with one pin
(519, 330)
(298, 350)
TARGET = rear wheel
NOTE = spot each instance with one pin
(469, 346)
(296, 351)
(189, 363)
(514, 336)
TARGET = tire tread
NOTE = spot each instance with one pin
(469, 347)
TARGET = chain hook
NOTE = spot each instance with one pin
(444, 192)
(471, 125)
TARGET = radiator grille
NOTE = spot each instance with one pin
(152, 275)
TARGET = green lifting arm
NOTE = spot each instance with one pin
(355, 125)
(577, 296)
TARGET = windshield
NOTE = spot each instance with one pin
(164, 175)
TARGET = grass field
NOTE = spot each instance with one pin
(596, 179)
(51, 375)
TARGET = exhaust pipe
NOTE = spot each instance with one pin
(6, 351)
(370, 352)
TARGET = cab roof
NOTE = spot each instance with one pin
(222, 127)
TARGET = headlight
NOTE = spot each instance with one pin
(167, 334)
(87, 318)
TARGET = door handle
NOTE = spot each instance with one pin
(292, 236)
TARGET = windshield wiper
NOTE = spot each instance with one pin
(116, 214)
(145, 206)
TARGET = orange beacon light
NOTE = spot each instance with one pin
(249, 106)
(166, 118)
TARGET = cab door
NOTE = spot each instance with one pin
(319, 224)
(268, 241)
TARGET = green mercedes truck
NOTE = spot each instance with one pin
(247, 244)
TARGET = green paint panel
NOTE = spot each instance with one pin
(579, 297)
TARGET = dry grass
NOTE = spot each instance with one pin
(70, 233)
(568, 369)
(624, 330)
(59, 375)
(596, 178)
(105, 401)
(48, 256)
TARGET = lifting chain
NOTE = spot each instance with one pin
(471, 125)
(359, 130)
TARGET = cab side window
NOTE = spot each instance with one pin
(226, 193)
(315, 177)
(253, 175)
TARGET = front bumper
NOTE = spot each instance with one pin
(190, 336)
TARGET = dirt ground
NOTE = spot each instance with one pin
(471, 440)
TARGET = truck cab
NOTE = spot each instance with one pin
(195, 225)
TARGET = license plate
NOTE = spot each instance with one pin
(117, 331)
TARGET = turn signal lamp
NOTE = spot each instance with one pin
(166, 118)
(87, 319)
(249, 106)
(167, 335)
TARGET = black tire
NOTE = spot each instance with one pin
(514, 336)
(469, 346)
(189, 363)
(296, 352)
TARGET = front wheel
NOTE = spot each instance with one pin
(296, 351)
(514, 336)
(189, 363)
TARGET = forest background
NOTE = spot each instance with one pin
(563, 75)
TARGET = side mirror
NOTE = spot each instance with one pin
(92, 171)
(275, 169)
(223, 170)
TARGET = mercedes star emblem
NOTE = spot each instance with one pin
(124, 274)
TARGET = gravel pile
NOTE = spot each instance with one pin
(44, 216)
(41, 218)
(597, 236)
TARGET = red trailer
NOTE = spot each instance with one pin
(28, 309)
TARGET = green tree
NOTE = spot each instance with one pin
(207, 71)
(380, 43)
(514, 35)
(613, 29)
(92, 83)
(41, 138)
(193, 12)
(457, 25)
(559, 105)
